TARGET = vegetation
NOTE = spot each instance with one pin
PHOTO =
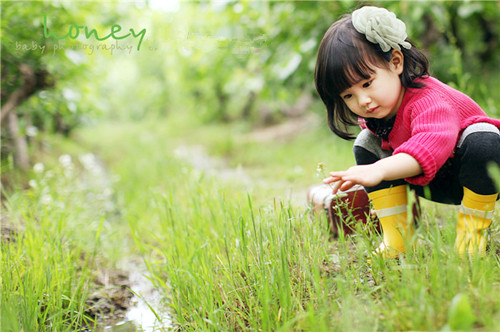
(194, 154)
(230, 260)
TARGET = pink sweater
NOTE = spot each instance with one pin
(429, 123)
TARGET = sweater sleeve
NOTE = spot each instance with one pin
(434, 132)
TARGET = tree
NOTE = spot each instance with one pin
(36, 71)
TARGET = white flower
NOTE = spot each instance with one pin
(65, 160)
(46, 199)
(380, 26)
(38, 168)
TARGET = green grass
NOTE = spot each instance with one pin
(44, 282)
(229, 254)
(63, 227)
(227, 260)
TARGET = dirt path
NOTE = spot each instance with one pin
(197, 157)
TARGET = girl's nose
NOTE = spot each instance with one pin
(364, 100)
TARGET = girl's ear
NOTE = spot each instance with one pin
(397, 62)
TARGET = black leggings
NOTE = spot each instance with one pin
(468, 168)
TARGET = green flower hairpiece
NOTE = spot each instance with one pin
(381, 26)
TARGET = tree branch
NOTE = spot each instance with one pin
(21, 93)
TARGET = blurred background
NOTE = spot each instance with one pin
(214, 61)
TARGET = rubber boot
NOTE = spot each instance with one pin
(474, 216)
(391, 208)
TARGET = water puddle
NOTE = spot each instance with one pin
(146, 312)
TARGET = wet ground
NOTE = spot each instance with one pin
(128, 302)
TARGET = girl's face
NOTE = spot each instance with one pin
(380, 95)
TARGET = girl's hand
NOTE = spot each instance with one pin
(398, 166)
(365, 175)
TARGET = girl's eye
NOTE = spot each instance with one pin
(346, 96)
(367, 84)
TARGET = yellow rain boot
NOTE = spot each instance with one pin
(391, 208)
(474, 216)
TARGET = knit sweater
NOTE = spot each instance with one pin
(429, 123)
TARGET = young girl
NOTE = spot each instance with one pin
(417, 132)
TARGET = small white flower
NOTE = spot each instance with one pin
(38, 168)
(380, 26)
(91, 164)
(320, 167)
(65, 160)
(32, 183)
(46, 199)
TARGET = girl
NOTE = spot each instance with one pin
(417, 132)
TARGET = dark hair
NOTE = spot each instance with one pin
(346, 57)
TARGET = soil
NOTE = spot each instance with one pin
(110, 298)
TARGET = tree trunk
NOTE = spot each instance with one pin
(20, 151)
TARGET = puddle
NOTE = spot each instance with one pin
(146, 296)
(139, 316)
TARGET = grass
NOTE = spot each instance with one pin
(229, 254)
(62, 227)
(230, 260)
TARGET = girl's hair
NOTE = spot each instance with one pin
(346, 57)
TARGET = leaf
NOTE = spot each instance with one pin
(291, 65)
(460, 314)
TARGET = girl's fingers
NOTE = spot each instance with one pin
(347, 185)
(351, 179)
(341, 181)
(336, 186)
(330, 179)
(338, 174)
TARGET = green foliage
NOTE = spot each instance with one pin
(55, 78)
(460, 315)
(224, 61)
(248, 59)
(23, 43)
(62, 230)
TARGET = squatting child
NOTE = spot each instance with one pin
(416, 130)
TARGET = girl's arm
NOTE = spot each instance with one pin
(398, 166)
